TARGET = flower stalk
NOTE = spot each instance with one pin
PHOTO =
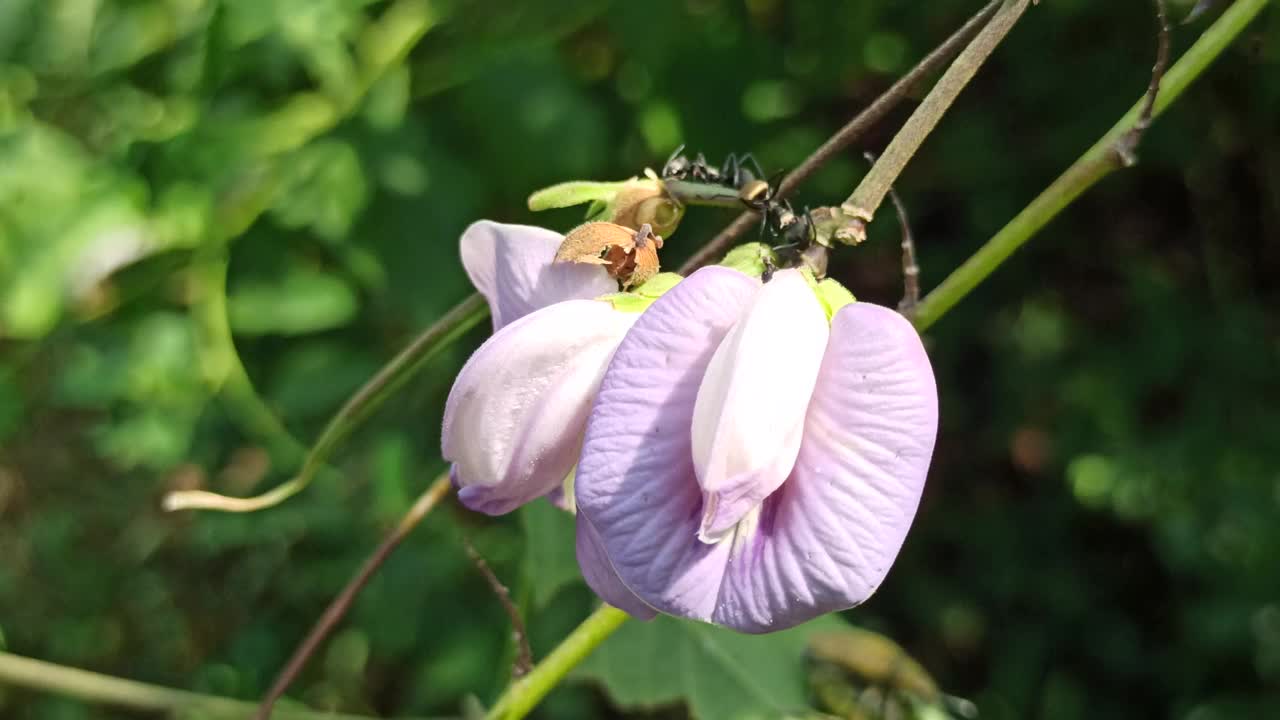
(523, 694)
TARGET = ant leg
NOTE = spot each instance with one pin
(701, 171)
(775, 181)
(769, 269)
(748, 161)
(730, 171)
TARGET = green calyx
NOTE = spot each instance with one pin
(575, 192)
(630, 203)
(640, 298)
(831, 294)
(750, 259)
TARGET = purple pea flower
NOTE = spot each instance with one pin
(748, 463)
(514, 419)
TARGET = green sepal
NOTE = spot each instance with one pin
(750, 259)
(566, 487)
(574, 192)
(831, 294)
(597, 210)
(639, 299)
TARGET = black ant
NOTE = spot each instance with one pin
(741, 173)
(778, 218)
(736, 172)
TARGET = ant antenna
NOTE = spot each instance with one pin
(674, 154)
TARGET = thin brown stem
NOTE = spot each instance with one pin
(519, 635)
(342, 603)
(910, 267)
(846, 136)
(1126, 147)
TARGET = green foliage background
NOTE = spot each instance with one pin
(218, 218)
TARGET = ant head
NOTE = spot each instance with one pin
(677, 165)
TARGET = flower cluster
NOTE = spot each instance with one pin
(747, 453)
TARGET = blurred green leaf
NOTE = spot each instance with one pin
(322, 186)
(302, 301)
(550, 561)
(388, 99)
(719, 673)
(10, 403)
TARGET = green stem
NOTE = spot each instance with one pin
(93, 687)
(866, 198)
(385, 42)
(523, 694)
(464, 316)
(223, 370)
(1095, 164)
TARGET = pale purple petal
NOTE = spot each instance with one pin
(511, 265)
(750, 412)
(515, 416)
(600, 575)
(827, 538)
(635, 482)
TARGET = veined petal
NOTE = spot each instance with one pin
(600, 575)
(511, 265)
(750, 411)
(827, 538)
(514, 419)
(635, 482)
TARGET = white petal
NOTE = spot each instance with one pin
(749, 416)
(511, 265)
(515, 416)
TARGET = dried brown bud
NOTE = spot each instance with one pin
(630, 256)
